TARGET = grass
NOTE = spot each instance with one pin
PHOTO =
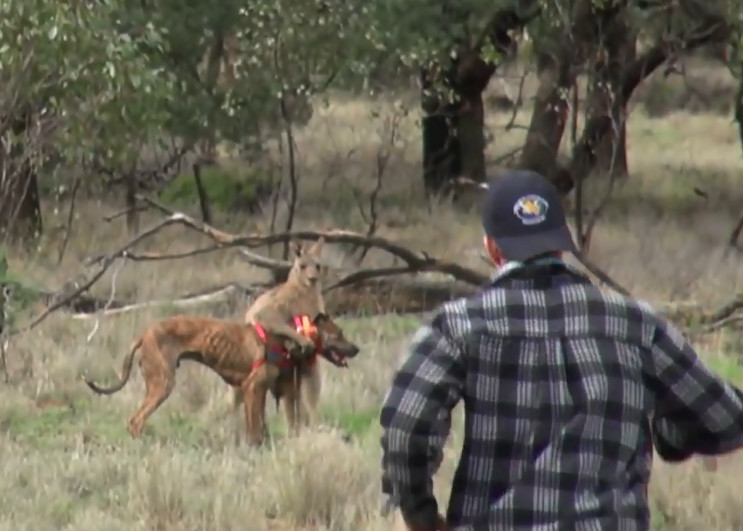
(67, 461)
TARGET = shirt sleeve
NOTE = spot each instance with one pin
(416, 419)
(696, 411)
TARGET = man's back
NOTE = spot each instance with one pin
(560, 382)
(554, 407)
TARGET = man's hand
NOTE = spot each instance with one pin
(441, 525)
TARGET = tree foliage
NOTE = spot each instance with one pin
(103, 78)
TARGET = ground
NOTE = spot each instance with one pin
(68, 462)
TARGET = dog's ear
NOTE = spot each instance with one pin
(317, 247)
(296, 248)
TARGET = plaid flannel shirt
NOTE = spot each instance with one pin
(566, 389)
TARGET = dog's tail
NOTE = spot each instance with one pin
(126, 371)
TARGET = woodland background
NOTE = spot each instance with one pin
(157, 157)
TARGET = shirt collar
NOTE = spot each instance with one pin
(513, 265)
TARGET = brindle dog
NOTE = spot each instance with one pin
(239, 353)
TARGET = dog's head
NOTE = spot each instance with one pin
(307, 269)
(334, 347)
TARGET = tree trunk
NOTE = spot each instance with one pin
(20, 210)
(442, 156)
(550, 114)
(454, 133)
(471, 135)
(616, 52)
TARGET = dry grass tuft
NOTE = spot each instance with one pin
(68, 463)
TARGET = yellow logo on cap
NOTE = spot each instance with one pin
(531, 209)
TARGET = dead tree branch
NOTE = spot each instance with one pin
(417, 261)
(734, 235)
(204, 206)
(70, 219)
(389, 137)
(103, 266)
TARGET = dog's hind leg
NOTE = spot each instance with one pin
(255, 390)
(157, 391)
(159, 380)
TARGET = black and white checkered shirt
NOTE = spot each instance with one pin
(566, 389)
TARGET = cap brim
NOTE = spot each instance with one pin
(522, 248)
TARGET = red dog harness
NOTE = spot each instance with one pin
(305, 327)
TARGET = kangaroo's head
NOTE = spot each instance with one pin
(307, 269)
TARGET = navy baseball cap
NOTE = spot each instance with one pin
(522, 211)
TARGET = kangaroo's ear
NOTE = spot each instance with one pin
(296, 248)
(317, 247)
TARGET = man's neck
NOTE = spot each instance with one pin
(511, 265)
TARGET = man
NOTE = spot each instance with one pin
(566, 390)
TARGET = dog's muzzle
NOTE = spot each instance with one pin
(339, 357)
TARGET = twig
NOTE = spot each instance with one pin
(4, 298)
(734, 235)
(179, 302)
(206, 212)
(104, 265)
(70, 219)
(722, 323)
(578, 212)
(124, 212)
(257, 260)
(510, 154)
(111, 296)
(289, 133)
(368, 274)
(518, 103)
(157, 257)
(381, 162)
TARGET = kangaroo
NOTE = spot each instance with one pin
(300, 294)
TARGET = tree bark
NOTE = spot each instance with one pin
(550, 113)
(20, 209)
(471, 135)
(442, 155)
(453, 131)
(616, 50)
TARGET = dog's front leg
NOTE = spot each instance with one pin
(254, 402)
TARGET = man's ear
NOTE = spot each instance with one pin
(492, 250)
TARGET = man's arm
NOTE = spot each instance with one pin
(696, 411)
(416, 418)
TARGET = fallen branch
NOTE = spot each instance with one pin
(124, 212)
(416, 261)
(103, 267)
(209, 296)
(722, 323)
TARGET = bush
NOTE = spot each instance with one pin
(703, 91)
(227, 190)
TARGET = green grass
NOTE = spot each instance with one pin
(728, 367)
